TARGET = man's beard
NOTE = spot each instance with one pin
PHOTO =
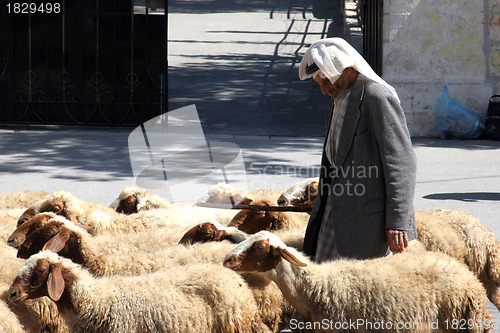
(341, 85)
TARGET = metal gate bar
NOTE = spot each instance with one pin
(97, 63)
(372, 16)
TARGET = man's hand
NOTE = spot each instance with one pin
(397, 240)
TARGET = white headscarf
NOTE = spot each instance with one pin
(332, 56)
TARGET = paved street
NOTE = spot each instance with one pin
(238, 62)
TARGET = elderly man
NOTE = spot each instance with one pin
(364, 207)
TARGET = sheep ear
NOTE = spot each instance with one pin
(73, 219)
(246, 201)
(291, 258)
(188, 237)
(55, 282)
(58, 242)
(119, 209)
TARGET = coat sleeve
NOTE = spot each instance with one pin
(389, 126)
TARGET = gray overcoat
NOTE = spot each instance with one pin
(373, 181)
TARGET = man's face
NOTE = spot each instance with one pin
(334, 90)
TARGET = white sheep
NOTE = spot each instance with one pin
(301, 194)
(252, 221)
(98, 217)
(101, 218)
(214, 232)
(20, 199)
(35, 316)
(198, 298)
(223, 193)
(465, 237)
(117, 243)
(133, 199)
(20, 233)
(453, 232)
(423, 288)
(72, 242)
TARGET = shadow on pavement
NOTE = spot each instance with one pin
(466, 197)
(254, 93)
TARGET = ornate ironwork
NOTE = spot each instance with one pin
(62, 72)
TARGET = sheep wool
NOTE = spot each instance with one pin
(200, 298)
(9, 323)
(145, 199)
(39, 315)
(20, 199)
(437, 288)
(272, 307)
(102, 218)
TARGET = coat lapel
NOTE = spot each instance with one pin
(350, 123)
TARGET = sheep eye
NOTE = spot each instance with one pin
(261, 247)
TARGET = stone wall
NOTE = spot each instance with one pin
(428, 44)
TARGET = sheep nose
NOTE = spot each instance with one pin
(10, 241)
(22, 252)
(14, 294)
(281, 202)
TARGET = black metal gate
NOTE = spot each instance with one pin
(372, 16)
(94, 63)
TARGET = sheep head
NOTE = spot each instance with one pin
(260, 252)
(36, 240)
(55, 237)
(223, 193)
(301, 194)
(24, 230)
(42, 275)
(128, 205)
(53, 204)
(204, 232)
(225, 198)
(253, 221)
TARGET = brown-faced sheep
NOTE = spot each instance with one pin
(18, 236)
(134, 199)
(302, 194)
(459, 234)
(224, 193)
(198, 298)
(74, 243)
(252, 221)
(212, 232)
(121, 243)
(423, 288)
(35, 316)
(98, 217)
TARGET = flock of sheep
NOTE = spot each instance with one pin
(144, 264)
